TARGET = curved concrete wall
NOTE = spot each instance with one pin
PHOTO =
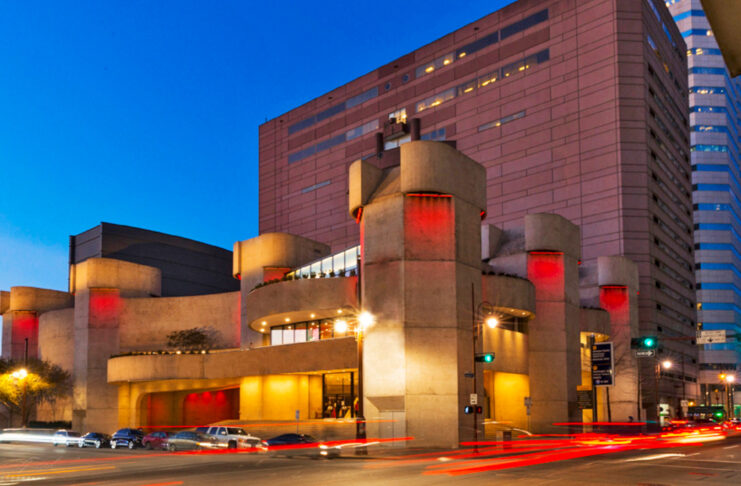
(617, 270)
(594, 320)
(551, 232)
(39, 300)
(132, 279)
(513, 295)
(510, 350)
(145, 322)
(330, 354)
(273, 250)
(438, 167)
(297, 299)
(56, 338)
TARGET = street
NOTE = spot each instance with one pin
(714, 462)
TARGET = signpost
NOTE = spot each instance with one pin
(584, 399)
(645, 353)
(602, 364)
(709, 337)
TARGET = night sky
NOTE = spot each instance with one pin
(146, 113)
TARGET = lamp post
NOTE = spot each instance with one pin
(491, 322)
(20, 375)
(364, 321)
(727, 381)
(666, 364)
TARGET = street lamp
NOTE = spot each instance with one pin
(364, 321)
(727, 381)
(491, 322)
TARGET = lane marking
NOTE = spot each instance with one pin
(42, 472)
(731, 447)
(654, 457)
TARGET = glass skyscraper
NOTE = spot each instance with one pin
(715, 121)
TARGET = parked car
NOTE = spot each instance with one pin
(230, 437)
(300, 444)
(189, 440)
(130, 438)
(156, 440)
(66, 438)
(95, 439)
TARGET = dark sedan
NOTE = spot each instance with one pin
(300, 444)
(95, 439)
(156, 440)
(130, 438)
(189, 441)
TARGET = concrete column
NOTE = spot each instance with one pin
(553, 246)
(421, 274)
(618, 283)
(23, 306)
(100, 284)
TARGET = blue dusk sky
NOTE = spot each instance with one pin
(146, 113)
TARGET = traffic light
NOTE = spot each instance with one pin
(485, 357)
(644, 342)
(473, 409)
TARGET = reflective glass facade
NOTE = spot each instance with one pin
(715, 118)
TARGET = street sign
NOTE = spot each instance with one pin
(709, 337)
(602, 364)
(645, 353)
(468, 375)
(298, 414)
(474, 399)
(584, 399)
(528, 401)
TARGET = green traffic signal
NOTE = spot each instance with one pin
(485, 358)
(648, 342)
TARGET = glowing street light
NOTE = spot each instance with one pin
(340, 326)
(20, 374)
(366, 320)
(666, 364)
(492, 322)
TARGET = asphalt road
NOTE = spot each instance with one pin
(711, 463)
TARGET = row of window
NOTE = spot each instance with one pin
(315, 186)
(673, 274)
(709, 148)
(339, 263)
(483, 81)
(702, 51)
(675, 200)
(688, 13)
(707, 90)
(717, 366)
(667, 113)
(708, 109)
(669, 134)
(310, 331)
(672, 215)
(333, 142)
(667, 97)
(661, 59)
(674, 295)
(673, 254)
(434, 135)
(482, 43)
(672, 314)
(333, 110)
(661, 22)
(706, 70)
(502, 121)
(706, 32)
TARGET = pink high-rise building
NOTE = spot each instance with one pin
(574, 107)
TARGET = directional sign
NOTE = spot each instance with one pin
(584, 399)
(709, 337)
(645, 353)
(602, 364)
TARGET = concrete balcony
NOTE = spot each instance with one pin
(299, 300)
(317, 356)
(509, 295)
